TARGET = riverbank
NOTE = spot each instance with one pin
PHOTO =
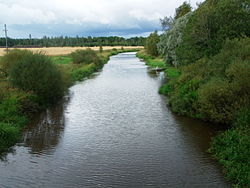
(115, 131)
(18, 106)
(230, 148)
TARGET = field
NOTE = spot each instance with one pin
(53, 51)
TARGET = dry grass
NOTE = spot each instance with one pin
(53, 51)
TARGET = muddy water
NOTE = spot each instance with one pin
(114, 131)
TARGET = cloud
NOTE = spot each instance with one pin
(80, 17)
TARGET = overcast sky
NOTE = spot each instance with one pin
(125, 18)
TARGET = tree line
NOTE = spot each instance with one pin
(73, 41)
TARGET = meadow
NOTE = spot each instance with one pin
(54, 51)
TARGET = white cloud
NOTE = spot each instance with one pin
(113, 13)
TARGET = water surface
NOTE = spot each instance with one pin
(114, 131)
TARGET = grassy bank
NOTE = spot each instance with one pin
(34, 88)
(216, 90)
(79, 71)
(150, 60)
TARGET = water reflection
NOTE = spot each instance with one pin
(115, 132)
(44, 132)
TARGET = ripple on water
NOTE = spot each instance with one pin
(115, 131)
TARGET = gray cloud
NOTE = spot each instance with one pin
(84, 18)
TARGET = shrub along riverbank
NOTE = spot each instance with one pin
(208, 50)
(30, 82)
(216, 89)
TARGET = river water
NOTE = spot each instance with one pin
(113, 130)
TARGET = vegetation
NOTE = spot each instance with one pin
(207, 55)
(34, 72)
(74, 41)
(231, 148)
(210, 25)
(151, 44)
(182, 10)
(172, 38)
(85, 56)
(15, 105)
(151, 61)
(61, 60)
(32, 81)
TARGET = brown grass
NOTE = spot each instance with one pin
(53, 51)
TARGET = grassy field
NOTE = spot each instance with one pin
(53, 51)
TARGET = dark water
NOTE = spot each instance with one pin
(115, 131)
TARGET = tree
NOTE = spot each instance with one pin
(151, 44)
(172, 38)
(210, 25)
(182, 10)
(167, 23)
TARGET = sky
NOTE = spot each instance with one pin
(125, 18)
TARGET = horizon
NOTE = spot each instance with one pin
(98, 18)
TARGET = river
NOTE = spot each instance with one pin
(113, 130)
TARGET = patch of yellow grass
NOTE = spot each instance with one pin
(53, 51)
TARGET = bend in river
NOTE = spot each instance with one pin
(115, 131)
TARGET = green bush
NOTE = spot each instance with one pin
(12, 118)
(87, 56)
(210, 25)
(35, 72)
(84, 71)
(231, 148)
(213, 89)
(242, 120)
(165, 89)
(151, 44)
(11, 111)
(10, 59)
(217, 101)
(8, 135)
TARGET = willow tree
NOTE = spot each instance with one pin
(171, 39)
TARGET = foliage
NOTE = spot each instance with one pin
(17, 105)
(12, 118)
(63, 59)
(35, 72)
(213, 89)
(209, 26)
(151, 44)
(212, 50)
(10, 59)
(151, 61)
(217, 89)
(242, 118)
(171, 39)
(231, 148)
(74, 41)
(8, 135)
(87, 56)
(82, 72)
(167, 23)
(182, 10)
